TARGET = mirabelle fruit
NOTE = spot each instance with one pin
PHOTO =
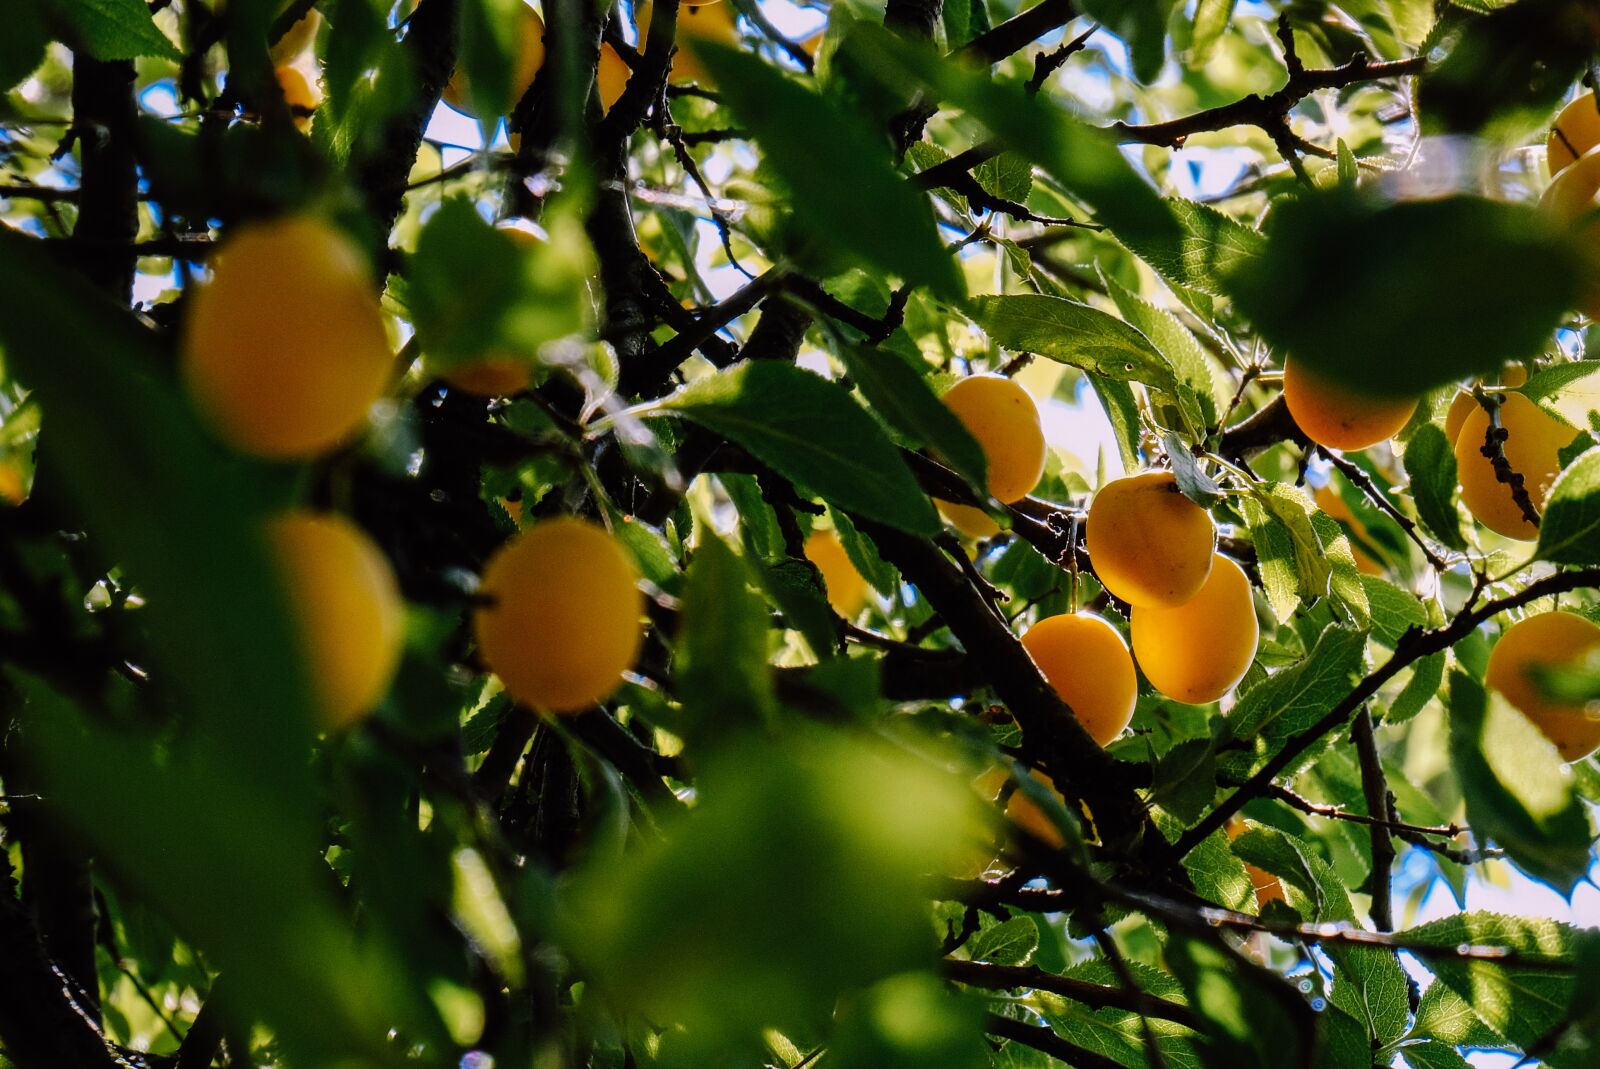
(490, 378)
(1576, 131)
(1087, 662)
(611, 76)
(1268, 887)
(301, 94)
(1548, 640)
(1198, 651)
(563, 619)
(715, 21)
(13, 488)
(283, 349)
(525, 67)
(1464, 402)
(1026, 814)
(847, 590)
(1003, 419)
(343, 597)
(1337, 417)
(298, 37)
(1533, 445)
(1572, 201)
(1148, 543)
(1329, 501)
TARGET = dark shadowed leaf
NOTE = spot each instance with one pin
(722, 656)
(1430, 461)
(110, 29)
(906, 400)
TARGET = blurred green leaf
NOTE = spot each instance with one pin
(1430, 462)
(1141, 25)
(722, 655)
(1211, 18)
(857, 201)
(22, 46)
(1427, 675)
(812, 431)
(1517, 792)
(109, 29)
(1247, 1020)
(490, 38)
(1485, 283)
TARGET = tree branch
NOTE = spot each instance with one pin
(1096, 996)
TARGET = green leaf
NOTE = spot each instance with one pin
(812, 431)
(721, 662)
(1122, 410)
(1322, 293)
(1434, 1055)
(864, 555)
(1179, 346)
(1008, 175)
(1203, 249)
(1075, 334)
(1520, 1004)
(1218, 875)
(1349, 172)
(1444, 1015)
(1569, 531)
(1010, 942)
(1184, 780)
(1247, 1014)
(22, 46)
(856, 201)
(1141, 25)
(908, 403)
(1211, 18)
(490, 37)
(1517, 791)
(1426, 677)
(1311, 882)
(1292, 699)
(1194, 483)
(1430, 462)
(1569, 391)
(1289, 553)
(1347, 588)
(110, 29)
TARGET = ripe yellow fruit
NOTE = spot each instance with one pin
(343, 596)
(284, 349)
(1198, 651)
(847, 590)
(1549, 640)
(301, 94)
(1533, 446)
(716, 21)
(1002, 417)
(490, 378)
(1026, 814)
(298, 38)
(524, 68)
(1464, 402)
(1338, 417)
(611, 76)
(1148, 543)
(1329, 501)
(1087, 662)
(1576, 131)
(1268, 887)
(1572, 201)
(13, 489)
(563, 618)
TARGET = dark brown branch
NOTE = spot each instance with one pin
(651, 369)
(1494, 450)
(1046, 1041)
(1262, 429)
(1015, 33)
(1380, 804)
(1412, 647)
(104, 113)
(1096, 996)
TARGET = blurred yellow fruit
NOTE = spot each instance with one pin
(1337, 417)
(1575, 131)
(351, 618)
(562, 620)
(301, 94)
(611, 76)
(299, 37)
(1198, 651)
(490, 378)
(524, 67)
(1548, 640)
(715, 21)
(13, 489)
(847, 590)
(1571, 203)
(1533, 446)
(283, 348)
(1329, 501)
(1149, 544)
(1087, 663)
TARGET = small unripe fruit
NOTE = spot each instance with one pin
(1329, 501)
(1198, 651)
(847, 590)
(525, 65)
(1533, 444)
(1336, 416)
(284, 348)
(1575, 131)
(1148, 543)
(1548, 640)
(344, 600)
(1086, 662)
(563, 615)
